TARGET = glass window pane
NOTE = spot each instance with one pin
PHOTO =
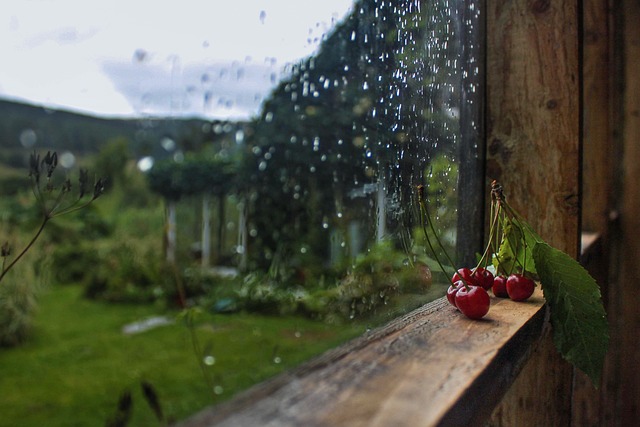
(263, 163)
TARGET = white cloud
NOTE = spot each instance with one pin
(148, 57)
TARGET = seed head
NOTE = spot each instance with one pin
(5, 250)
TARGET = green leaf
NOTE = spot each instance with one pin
(515, 254)
(578, 318)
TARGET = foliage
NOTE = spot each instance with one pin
(262, 294)
(54, 198)
(17, 306)
(578, 318)
(112, 161)
(360, 105)
(378, 276)
(580, 330)
(124, 274)
(372, 283)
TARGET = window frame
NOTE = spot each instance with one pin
(499, 370)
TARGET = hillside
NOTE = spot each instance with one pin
(25, 127)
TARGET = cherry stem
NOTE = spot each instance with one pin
(424, 217)
(492, 231)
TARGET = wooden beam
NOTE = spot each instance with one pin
(533, 113)
(430, 367)
(626, 292)
(533, 125)
(597, 71)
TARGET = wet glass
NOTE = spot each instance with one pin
(274, 166)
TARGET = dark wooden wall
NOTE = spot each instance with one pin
(563, 89)
(533, 149)
(624, 295)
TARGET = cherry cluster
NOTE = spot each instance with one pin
(469, 287)
(469, 290)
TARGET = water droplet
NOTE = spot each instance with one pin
(28, 138)
(218, 390)
(67, 160)
(277, 360)
(168, 144)
(262, 166)
(209, 360)
(145, 164)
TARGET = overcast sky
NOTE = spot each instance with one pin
(214, 58)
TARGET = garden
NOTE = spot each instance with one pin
(153, 267)
(100, 325)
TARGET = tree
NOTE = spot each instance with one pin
(333, 130)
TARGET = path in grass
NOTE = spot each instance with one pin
(78, 362)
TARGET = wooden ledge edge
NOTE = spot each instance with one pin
(429, 367)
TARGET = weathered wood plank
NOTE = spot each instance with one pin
(427, 368)
(597, 80)
(533, 125)
(628, 396)
(533, 113)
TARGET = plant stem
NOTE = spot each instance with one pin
(423, 205)
(26, 248)
(424, 216)
(492, 231)
(195, 342)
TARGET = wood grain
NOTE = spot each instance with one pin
(533, 124)
(628, 398)
(598, 128)
(427, 368)
(533, 113)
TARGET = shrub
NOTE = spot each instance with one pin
(70, 263)
(374, 280)
(17, 304)
(262, 294)
(124, 275)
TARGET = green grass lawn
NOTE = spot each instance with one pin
(77, 361)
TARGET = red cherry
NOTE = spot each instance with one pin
(483, 277)
(473, 301)
(500, 287)
(519, 287)
(464, 274)
(453, 289)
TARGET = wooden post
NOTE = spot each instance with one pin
(598, 76)
(533, 128)
(627, 296)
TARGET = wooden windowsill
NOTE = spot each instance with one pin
(431, 367)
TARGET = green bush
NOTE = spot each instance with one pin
(259, 293)
(374, 280)
(71, 263)
(125, 275)
(111, 270)
(17, 305)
